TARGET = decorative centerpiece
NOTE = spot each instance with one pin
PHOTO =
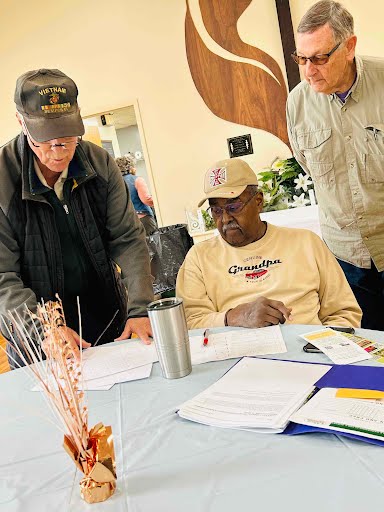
(60, 378)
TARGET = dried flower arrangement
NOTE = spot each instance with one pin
(60, 378)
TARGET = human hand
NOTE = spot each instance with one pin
(260, 313)
(71, 337)
(140, 326)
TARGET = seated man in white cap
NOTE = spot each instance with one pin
(256, 274)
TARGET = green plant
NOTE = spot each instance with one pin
(208, 220)
(281, 182)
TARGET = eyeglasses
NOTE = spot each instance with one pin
(231, 208)
(317, 60)
(68, 143)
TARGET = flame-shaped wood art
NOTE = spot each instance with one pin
(239, 92)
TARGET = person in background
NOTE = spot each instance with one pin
(256, 274)
(140, 195)
(66, 223)
(335, 126)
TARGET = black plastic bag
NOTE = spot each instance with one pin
(167, 249)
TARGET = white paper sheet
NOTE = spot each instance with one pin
(255, 394)
(115, 358)
(337, 347)
(141, 372)
(237, 343)
(105, 383)
(360, 416)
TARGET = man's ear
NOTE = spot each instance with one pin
(21, 122)
(350, 46)
(259, 200)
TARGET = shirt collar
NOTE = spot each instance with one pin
(58, 186)
(355, 91)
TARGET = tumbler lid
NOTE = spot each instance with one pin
(167, 303)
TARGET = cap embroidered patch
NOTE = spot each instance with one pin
(52, 95)
(218, 176)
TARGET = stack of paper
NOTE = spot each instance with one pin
(117, 362)
(237, 343)
(256, 394)
(114, 363)
(336, 346)
(363, 417)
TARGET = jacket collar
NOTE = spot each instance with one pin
(79, 169)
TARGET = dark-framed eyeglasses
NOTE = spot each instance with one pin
(230, 208)
(317, 60)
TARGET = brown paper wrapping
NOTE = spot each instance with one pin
(98, 464)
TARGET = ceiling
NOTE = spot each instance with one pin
(119, 118)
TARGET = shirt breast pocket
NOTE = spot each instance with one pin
(373, 171)
(316, 145)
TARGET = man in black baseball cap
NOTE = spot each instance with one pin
(67, 225)
(46, 99)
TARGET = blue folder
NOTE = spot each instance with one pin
(345, 376)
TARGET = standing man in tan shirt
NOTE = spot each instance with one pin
(336, 127)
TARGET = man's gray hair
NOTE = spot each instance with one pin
(327, 11)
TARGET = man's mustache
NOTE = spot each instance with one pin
(231, 225)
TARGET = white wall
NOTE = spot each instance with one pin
(122, 50)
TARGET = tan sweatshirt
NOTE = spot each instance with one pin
(287, 264)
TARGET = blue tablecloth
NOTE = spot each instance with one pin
(167, 464)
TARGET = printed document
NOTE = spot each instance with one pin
(237, 343)
(255, 394)
(359, 416)
(105, 383)
(115, 358)
(337, 347)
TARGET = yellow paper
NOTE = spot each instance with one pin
(318, 335)
(360, 393)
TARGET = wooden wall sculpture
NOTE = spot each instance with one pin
(235, 91)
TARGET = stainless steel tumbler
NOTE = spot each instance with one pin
(170, 334)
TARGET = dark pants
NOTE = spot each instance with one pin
(149, 223)
(368, 286)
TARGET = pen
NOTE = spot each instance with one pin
(205, 335)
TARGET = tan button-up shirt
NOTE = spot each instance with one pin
(341, 146)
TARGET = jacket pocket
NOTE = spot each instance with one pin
(316, 145)
(373, 171)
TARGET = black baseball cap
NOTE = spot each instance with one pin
(47, 101)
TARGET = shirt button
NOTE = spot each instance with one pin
(348, 138)
(360, 217)
(352, 165)
(355, 193)
(344, 109)
(366, 238)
